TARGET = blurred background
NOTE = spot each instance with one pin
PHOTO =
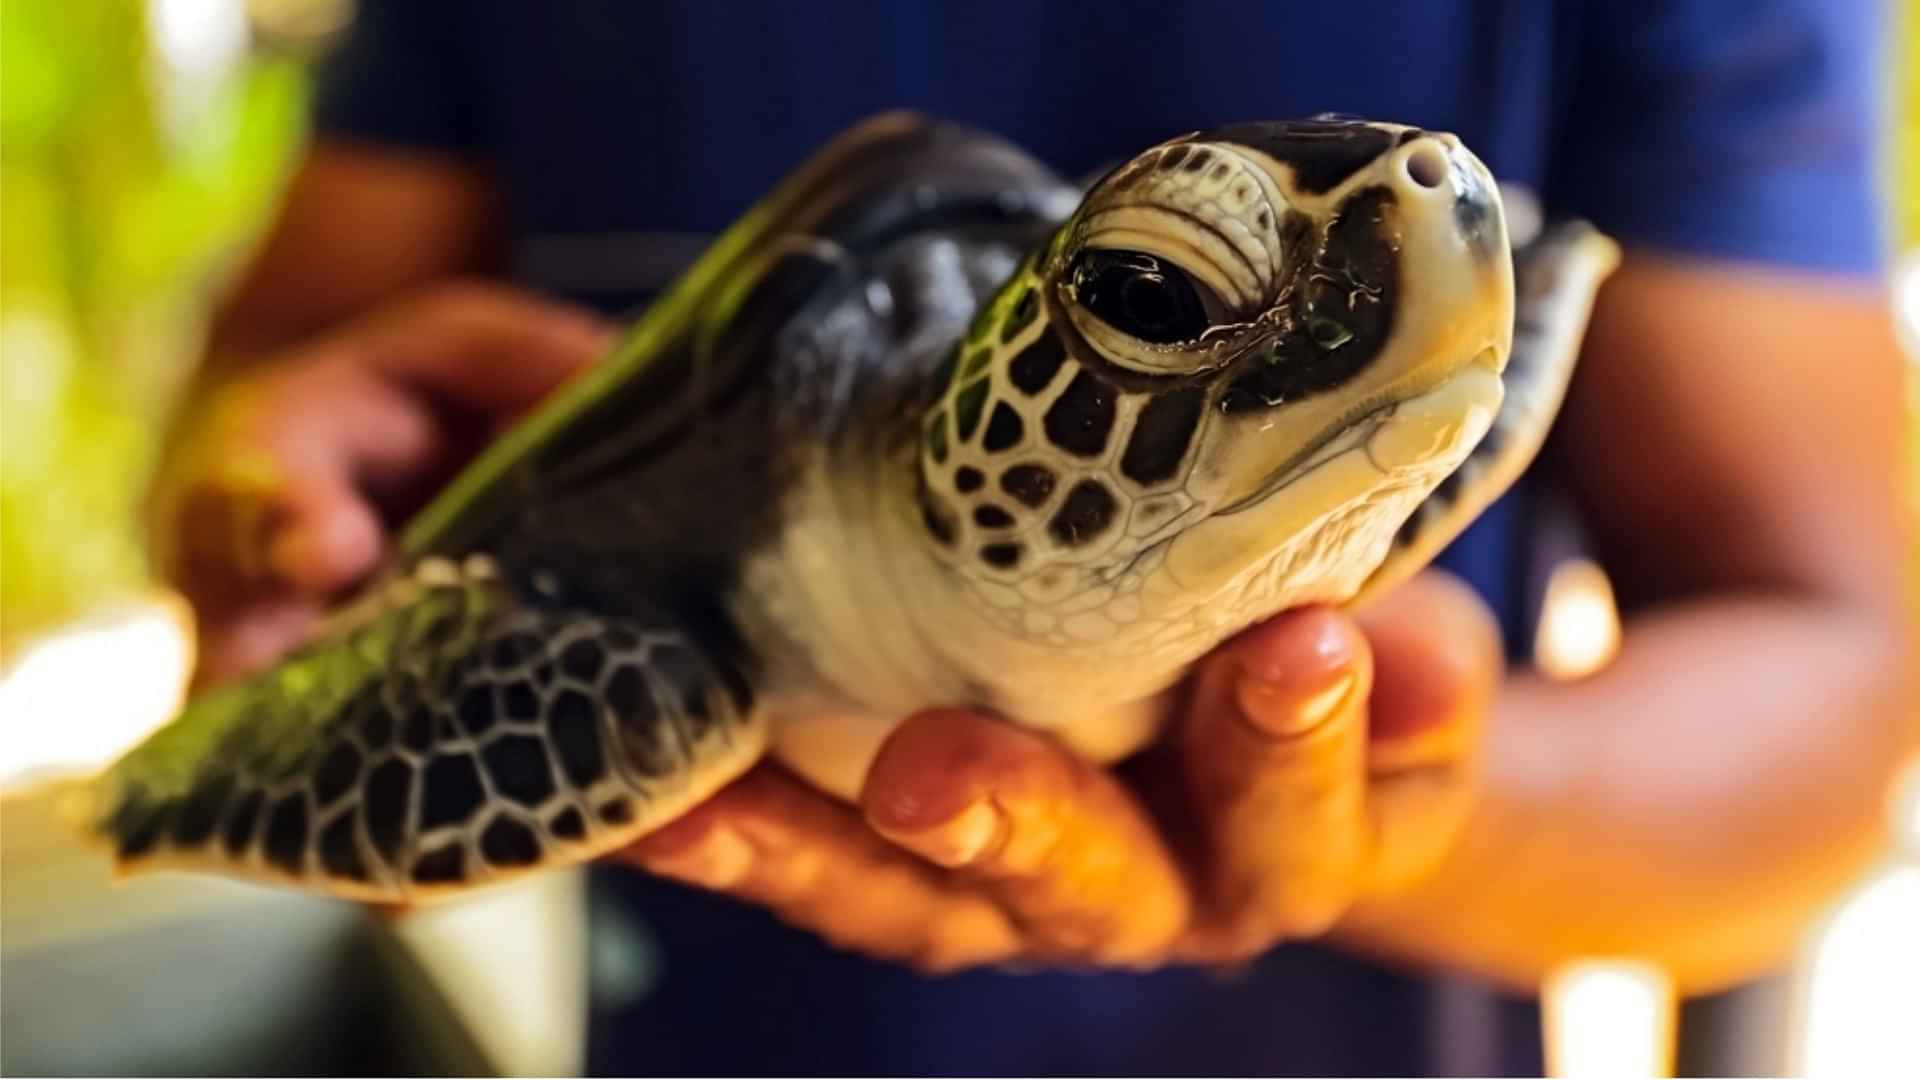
(142, 143)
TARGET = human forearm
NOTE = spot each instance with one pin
(1697, 820)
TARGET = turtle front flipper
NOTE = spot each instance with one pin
(450, 732)
(1557, 277)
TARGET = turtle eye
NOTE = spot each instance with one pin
(1143, 296)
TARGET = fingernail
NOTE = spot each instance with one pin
(959, 841)
(1281, 713)
(718, 860)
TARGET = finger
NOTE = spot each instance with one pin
(486, 348)
(1069, 853)
(327, 535)
(1438, 662)
(769, 841)
(280, 489)
(1437, 659)
(1273, 752)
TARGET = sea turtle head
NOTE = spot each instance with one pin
(1224, 382)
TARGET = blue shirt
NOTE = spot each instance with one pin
(624, 133)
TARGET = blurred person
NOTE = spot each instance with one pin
(493, 183)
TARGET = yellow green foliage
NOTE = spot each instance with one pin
(122, 199)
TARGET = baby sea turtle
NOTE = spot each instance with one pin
(927, 426)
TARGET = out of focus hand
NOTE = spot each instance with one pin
(279, 492)
(1317, 762)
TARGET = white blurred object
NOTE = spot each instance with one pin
(1859, 992)
(78, 698)
(197, 47)
(1524, 217)
(1609, 1018)
(1579, 629)
(512, 963)
(1906, 303)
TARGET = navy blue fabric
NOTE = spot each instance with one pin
(623, 132)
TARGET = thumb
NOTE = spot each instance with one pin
(1273, 753)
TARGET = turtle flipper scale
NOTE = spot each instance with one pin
(446, 734)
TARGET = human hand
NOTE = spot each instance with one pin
(279, 492)
(1316, 761)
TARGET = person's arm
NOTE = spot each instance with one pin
(1734, 438)
(359, 225)
(357, 362)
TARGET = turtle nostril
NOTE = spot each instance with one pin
(1427, 165)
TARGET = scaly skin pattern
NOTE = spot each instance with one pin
(926, 427)
(1087, 511)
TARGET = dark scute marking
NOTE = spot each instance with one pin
(1081, 418)
(336, 774)
(376, 725)
(568, 824)
(1199, 159)
(967, 408)
(1031, 484)
(989, 516)
(1003, 429)
(416, 731)
(1472, 216)
(1323, 155)
(582, 659)
(620, 639)
(1001, 555)
(242, 821)
(576, 738)
(286, 838)
(441, 866)
(1085, 514)
(512, 650)
(943, 374)
(543, 675)
(1161, 435)
(519, 702)
(687, 674)
(140, 828)
(739, 689)
(967, 479)
(976, 362)
(1447, 492)
(388, 790)
(938, 519)
(1172, 158)
(452, 791)
(518, 765)
(200, 812)
(616, 812)
(937, 438)
(476, 709)
(1408, 136)
(507, 842)
(626, 694)
(1354, 282)
(1034, 368)
(647, 742)
(1020, 316)
(403, 691)
(338, 852)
